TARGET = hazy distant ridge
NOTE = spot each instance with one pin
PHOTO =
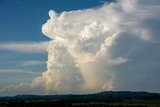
(101, 96)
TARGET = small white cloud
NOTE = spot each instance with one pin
(116, 61)
(29, 47)
(32, 63)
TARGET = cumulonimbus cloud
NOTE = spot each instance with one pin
(26, 47)
(89, 45)
(113, 47)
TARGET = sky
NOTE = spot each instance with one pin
(79, 46)
(21, 22)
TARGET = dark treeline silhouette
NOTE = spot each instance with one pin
(105, 99)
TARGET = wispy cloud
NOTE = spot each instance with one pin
(17, 71)
(32, 63)
(29, 47)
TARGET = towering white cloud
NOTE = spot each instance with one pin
(88, 45)
(113, 47)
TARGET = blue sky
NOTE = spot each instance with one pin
(21, 20)
(20, 23)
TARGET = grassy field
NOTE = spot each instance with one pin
(50, 103)
(129, 103)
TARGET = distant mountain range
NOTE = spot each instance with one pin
(102, 96)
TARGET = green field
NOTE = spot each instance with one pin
(50, 103)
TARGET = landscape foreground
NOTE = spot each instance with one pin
(102, 99)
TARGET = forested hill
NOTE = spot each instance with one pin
(102, 96)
